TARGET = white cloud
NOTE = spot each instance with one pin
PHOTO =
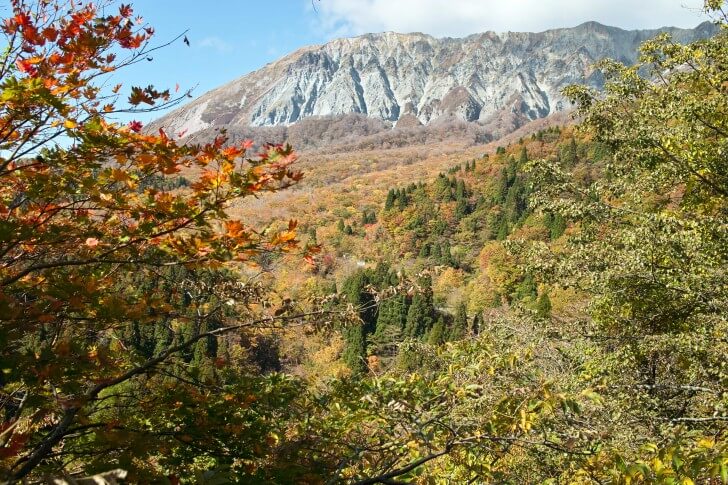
(457, 18)
(215, 43)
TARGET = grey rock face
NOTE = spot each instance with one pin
(389, 76)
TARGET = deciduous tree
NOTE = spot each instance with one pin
(85, 203)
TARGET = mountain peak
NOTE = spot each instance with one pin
(387, 75)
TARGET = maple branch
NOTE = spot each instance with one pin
(686, 165)
(386, 478)
(63, 427)
(103, 257)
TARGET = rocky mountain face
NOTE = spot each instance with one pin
(416, 79)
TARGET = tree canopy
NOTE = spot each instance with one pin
(85, 206)
(565, 319)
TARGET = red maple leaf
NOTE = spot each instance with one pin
(135, 126)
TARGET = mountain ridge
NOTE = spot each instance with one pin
(481, 78)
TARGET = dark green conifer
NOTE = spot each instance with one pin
(420, 312)
(503, 230)
(460, 191)
(524, 156)
(461, 208)
(526, 289)
(402, 200)
(355, 352)
(568, 155)
(446, 256)
(424, 250)
(459, 327)
(477, 324)
(390, 325)
(436, 251)
(558, 226)
(543, 306)
(391, 197)
(437, 334)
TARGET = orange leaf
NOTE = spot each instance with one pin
(234, 229)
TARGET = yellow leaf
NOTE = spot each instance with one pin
(70, 124)
(706, 442)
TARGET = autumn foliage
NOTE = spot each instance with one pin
(82, 205)
(553, 312)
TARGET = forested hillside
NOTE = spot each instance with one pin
(552, 311)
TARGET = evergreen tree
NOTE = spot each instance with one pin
(340, 225)
(355, 353)
(420, 313)
(477, 324)
(526, 288)
(391, 320)
(500, 189)
(437, 334)
(355, 291)
(459, 327)
(460, 191)
(568, 155)
(461, 208)
(543, 306)
(511, 171)
(439, 226)
(424, 250)
(516, 201)
(442, 188)
(402, 200)
(391, 197)
(380, 276)
(524, 157)
(368, 217)
(503, 230)
(558, 226)
(436, 251)
(446, 257)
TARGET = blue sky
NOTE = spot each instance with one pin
(230, 38)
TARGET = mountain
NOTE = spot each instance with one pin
(415, 79)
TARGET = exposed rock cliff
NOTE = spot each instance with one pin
(418, 78)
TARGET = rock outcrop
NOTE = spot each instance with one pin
(418, 78)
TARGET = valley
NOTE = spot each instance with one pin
(387, 258)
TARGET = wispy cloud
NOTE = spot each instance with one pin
(462, 17)
(215, 43)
